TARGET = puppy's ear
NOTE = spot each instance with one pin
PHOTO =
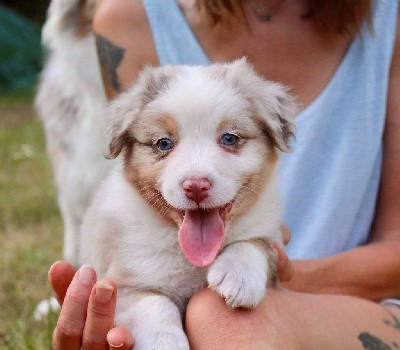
(126, 108)
(122, 112)
(118, 143)
(274, 107)
(276, 110)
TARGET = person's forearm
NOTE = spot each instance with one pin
(371, 272)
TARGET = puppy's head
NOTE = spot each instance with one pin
(199, 143)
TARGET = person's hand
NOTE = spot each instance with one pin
(284, 266)
(87, 314)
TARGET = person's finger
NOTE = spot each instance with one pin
(71, 322)
(284, 266)
(60, 276)
(285, 234)
(100, 315)
(120, 339)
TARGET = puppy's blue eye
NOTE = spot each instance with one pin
(229, 139)
(164, 144)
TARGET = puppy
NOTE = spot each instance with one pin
(72, 106)
(194, 198)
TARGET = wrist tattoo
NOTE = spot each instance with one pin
(110, 58)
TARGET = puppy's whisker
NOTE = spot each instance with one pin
(157, 201)
(251, 190)
(164, 211)
(255, 176)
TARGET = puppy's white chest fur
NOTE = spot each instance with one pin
(194, 199)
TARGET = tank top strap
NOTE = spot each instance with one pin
(174, 40)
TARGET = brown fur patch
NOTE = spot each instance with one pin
(80, 18)
(84, 18)
(244, 130)
(254, 184)
(168, 124)
(264, 244)
(142, 162)
(141, 169)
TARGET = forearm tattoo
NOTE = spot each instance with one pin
(110, 58)
(372, 342)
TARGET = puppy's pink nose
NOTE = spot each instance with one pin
(196, 189)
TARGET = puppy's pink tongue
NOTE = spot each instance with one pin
(201, 236)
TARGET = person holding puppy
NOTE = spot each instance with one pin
(340, 186)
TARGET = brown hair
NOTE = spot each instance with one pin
(341, 16)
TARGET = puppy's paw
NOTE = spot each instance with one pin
(155, 322)
(239, 274)
(162, 341)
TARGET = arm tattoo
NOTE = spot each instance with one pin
(371, 342)
(394, 322)
(110, 57)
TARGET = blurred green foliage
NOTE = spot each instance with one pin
(20, 53)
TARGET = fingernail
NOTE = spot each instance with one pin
(104, 292)
(116, 346)
(86, 274)
(51, 268)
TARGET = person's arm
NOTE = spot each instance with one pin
(371, 271)
(291, 320)
(124, 43)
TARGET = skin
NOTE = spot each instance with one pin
(291, 320)
(328, 304)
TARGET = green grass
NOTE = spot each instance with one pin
(30, 227)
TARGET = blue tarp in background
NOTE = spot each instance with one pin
(20, 53)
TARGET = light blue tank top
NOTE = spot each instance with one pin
(330, 182)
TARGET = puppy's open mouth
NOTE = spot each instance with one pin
(202, 233)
